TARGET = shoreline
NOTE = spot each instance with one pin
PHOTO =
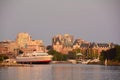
(2, 64)
(14, 65)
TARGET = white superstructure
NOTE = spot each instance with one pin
(35, 57)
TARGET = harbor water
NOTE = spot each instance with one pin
(61, 72)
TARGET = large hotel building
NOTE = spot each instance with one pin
(66, 43)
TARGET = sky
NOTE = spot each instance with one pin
(91, 20)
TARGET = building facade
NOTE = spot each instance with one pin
(62, 43)
(22, 43)
(91, 48)
(26, 44)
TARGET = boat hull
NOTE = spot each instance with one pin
(34, 60)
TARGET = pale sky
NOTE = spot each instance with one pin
(91, 20)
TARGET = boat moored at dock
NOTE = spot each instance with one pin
(34, 58)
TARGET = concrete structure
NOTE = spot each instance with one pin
(26, 44)
(23, 43)
(23, 40)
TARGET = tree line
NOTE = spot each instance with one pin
(112, 54)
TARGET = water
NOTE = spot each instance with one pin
(61, 72)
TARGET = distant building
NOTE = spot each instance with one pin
(62, 43)
(23, 39)
(87, 47)
(99, 47)
(80, 43)
(4, 47)
(26, 44)
(9, 48)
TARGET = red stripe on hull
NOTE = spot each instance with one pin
(35, 62)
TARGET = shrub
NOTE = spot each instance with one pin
(3, 57)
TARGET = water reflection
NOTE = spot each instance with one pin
(61, 72)
(86, 72)
(37, 72)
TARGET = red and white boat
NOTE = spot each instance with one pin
(35, 57)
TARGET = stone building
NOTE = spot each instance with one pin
(4, 47)
(80, 43)
(99, 47)
(8, 48)
(94, 48)
(62, 43)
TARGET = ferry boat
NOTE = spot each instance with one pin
(34, 58)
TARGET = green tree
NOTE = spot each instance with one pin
(111, 54)
(20, 51)
(117, 58)
(103, 56)
(71, 55)
(57, 56)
